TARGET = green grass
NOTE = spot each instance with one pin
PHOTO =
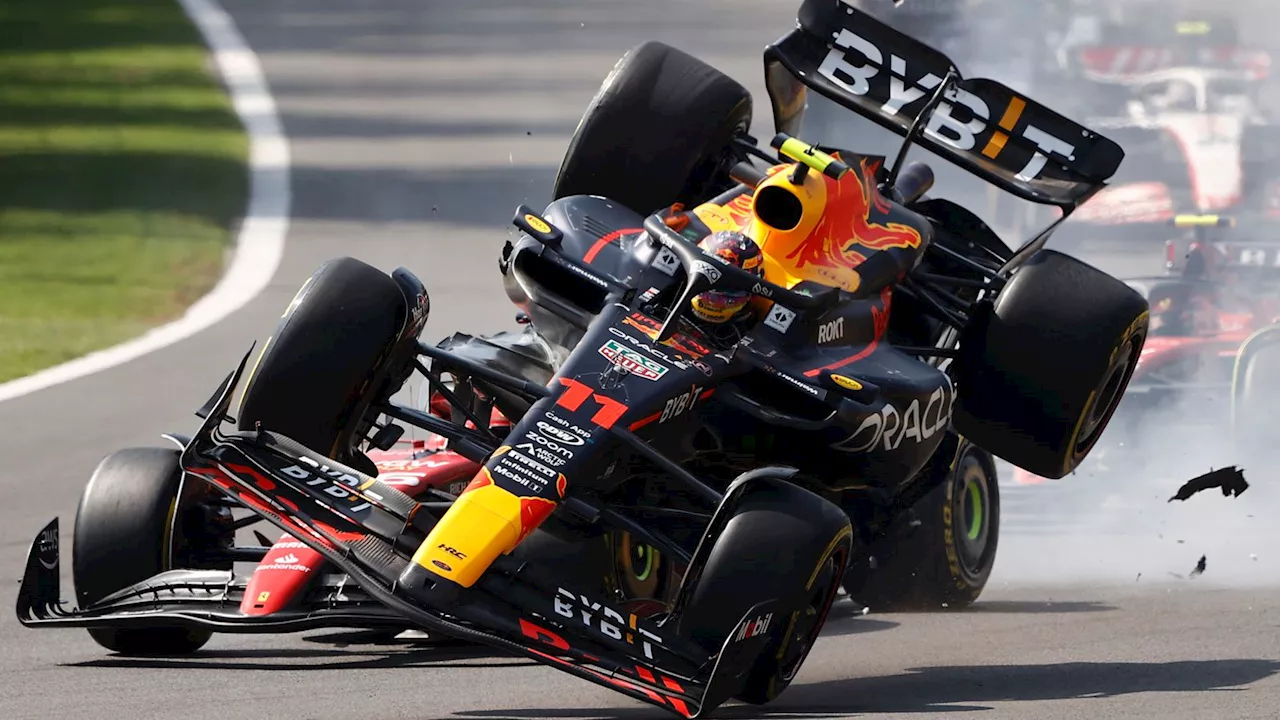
(122, 175)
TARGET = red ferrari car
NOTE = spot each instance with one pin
(291, 579)
(1212, 314)
(293, 587)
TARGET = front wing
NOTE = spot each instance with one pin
(208, 599)
(513, 607)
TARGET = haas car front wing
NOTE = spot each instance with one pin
(367, 529)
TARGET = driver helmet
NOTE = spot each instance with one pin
(732, 248)
(1171, 311)
(1185, 310)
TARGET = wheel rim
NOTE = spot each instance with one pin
(810, 620)
(639, 565)
(971, 505)
(641, 562)
(975, 510)
(1107, 397)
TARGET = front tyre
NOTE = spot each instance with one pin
(659, 131)
(137, 519)
(782, 541)
(318, 373)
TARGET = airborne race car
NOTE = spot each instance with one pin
(897, 343)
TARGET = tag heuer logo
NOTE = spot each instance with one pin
(632, 361)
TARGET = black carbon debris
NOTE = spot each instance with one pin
(1230, 479)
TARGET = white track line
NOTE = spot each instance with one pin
(260, 244)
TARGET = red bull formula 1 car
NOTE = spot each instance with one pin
(618, 490)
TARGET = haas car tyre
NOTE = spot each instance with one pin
(942, 558)
(659, 131)
(781, 541)
(318, 373)
(136, 519)
(1042, 369)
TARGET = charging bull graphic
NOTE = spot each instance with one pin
(847, 232)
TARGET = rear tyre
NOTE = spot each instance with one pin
(659, 131)
(318, 373)
(946, 560)
(132, 524)
(1042, 371)
(783, 541)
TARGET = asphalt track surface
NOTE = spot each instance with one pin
(415, 130)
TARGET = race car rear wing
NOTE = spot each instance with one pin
(982, 126)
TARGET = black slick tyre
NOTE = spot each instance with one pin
(945, 560)
(1042, 369)
(659, 131)
(785, 542)
(315, 377)
(126, 530)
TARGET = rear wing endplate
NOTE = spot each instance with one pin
(982, 126)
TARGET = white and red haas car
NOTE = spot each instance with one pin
(1183, 98)
(1198, 142)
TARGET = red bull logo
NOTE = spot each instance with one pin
(846, 234)
(533, 511)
